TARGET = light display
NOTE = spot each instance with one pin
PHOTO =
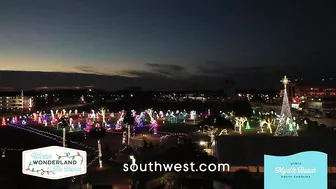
(139, 119)
(3, 152)
(172, 118)
(193, 115)
(54, 137)
(285, 127)
(3, 123)
(161, 114)
(248, 125)
(154, 124)
(133, 113)
(39, 120)
(120, 121)
(124, 137)
(240, 121)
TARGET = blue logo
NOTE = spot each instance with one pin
(308, 170)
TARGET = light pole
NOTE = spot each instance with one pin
(64, 124)
(128, 120)
(98, 131)
(100, 154)
(103, 113)
(63, 136)
(128, 134)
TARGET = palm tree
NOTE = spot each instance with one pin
(64, 123)
(102, 111)
(98, 132)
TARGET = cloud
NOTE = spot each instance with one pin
(222, 69)
(153, 69)
(103, 71)
(61, 87)
(141, 74)
(168, 70)
(6, 88)
(169, 67)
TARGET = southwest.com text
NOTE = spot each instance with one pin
(176, 167)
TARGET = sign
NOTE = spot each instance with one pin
(54, 162)
(308, 170)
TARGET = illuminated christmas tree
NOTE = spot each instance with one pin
(3, 123)
(248, 125)
(285, 125)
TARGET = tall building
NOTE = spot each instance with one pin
(291, 90)
(315, 92)
(16, 102)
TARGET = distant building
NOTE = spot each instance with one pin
(291, 91)
(14, 103)
(315, 92)
(320, 106)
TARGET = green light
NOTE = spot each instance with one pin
(248, 125)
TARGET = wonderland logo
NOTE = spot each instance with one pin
(308, 170)
(54, 162)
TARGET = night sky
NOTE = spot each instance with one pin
(165, 44)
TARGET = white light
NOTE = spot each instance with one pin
(202, 143)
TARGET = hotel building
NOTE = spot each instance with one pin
(15, 103)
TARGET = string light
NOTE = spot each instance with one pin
(52, 136)
(67, 155)
(39, 171)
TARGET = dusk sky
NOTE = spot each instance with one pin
(164, 44)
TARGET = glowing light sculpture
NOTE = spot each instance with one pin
(39, 120)
(284, 127)
(72, 127)
(248, 125)
(240, 123)
(193, 115)
(103, 113)
(154, 124)
(3, 123)
(120, 121)
(139, 119)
